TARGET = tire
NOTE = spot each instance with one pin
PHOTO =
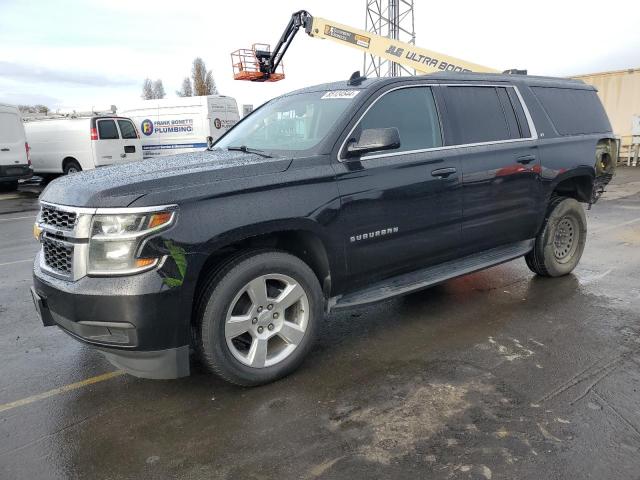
(9, 186)
(71, 166)
(223, 345)
(47, 178)
(559, 245)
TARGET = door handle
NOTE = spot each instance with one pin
(443, 172)
(123, 155)
(524, 159)
(5, 150)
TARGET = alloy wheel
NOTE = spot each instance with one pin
(267, 320)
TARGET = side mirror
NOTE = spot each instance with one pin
(374, 140)
(209, 142)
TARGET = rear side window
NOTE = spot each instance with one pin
(107, 130)
(573, 112)
(10, 131)
(476, 115)
(413, 112)
(127, 129)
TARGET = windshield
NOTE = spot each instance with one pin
(296, 122)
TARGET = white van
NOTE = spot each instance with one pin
(71, 144)
(178, 125)
(14, 149)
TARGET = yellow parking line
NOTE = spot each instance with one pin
(9, 197)
(59, 390)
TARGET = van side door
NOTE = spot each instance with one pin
(108, 148)
(131, 143)
(494, 141)
(401, 208)
(13, 153)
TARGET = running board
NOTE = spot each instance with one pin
(430, 276)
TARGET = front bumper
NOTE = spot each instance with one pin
(136, 322)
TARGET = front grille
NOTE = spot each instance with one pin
(57, 255)
(58, 218)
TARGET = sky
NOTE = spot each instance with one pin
(79, 54)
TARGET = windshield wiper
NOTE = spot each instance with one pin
(245, 149)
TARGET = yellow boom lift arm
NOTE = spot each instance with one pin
(261, 64)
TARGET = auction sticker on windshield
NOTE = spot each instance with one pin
(340, 94)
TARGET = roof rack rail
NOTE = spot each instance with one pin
(29, 117)
(515, 71)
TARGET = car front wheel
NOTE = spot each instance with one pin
(257, 317)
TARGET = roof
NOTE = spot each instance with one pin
(441, 77)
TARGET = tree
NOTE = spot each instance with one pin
(34, 109)
(203, 82)
(199, 74)
(210, 84)
(158, 89)
(186, 90)
(147, 89)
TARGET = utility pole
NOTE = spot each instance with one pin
(392, 19)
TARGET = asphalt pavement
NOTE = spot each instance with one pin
(498, 374)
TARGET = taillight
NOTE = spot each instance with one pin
(28, 150)
(94, 134)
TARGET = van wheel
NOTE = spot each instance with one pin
(257, 318)
(559, 246)
(9, 186)
(47, 178)
(71, 166)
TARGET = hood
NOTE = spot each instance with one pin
(121, 185)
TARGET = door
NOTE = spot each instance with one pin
(108, 147)
(501, 188)
(131, 143)
(400, 209)
(13, 153)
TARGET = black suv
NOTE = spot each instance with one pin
(328, 197)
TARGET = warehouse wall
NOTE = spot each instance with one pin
(620, 94)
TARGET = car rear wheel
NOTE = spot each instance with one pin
(9, 186)
(71, 166)
(559, 245)
(257, 317)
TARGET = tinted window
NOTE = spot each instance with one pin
(413, 112)
(573, 111)
(475, 115)
(107, 130)
(126, 129)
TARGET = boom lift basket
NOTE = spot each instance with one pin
(253, 64)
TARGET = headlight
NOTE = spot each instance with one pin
(116, 240)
